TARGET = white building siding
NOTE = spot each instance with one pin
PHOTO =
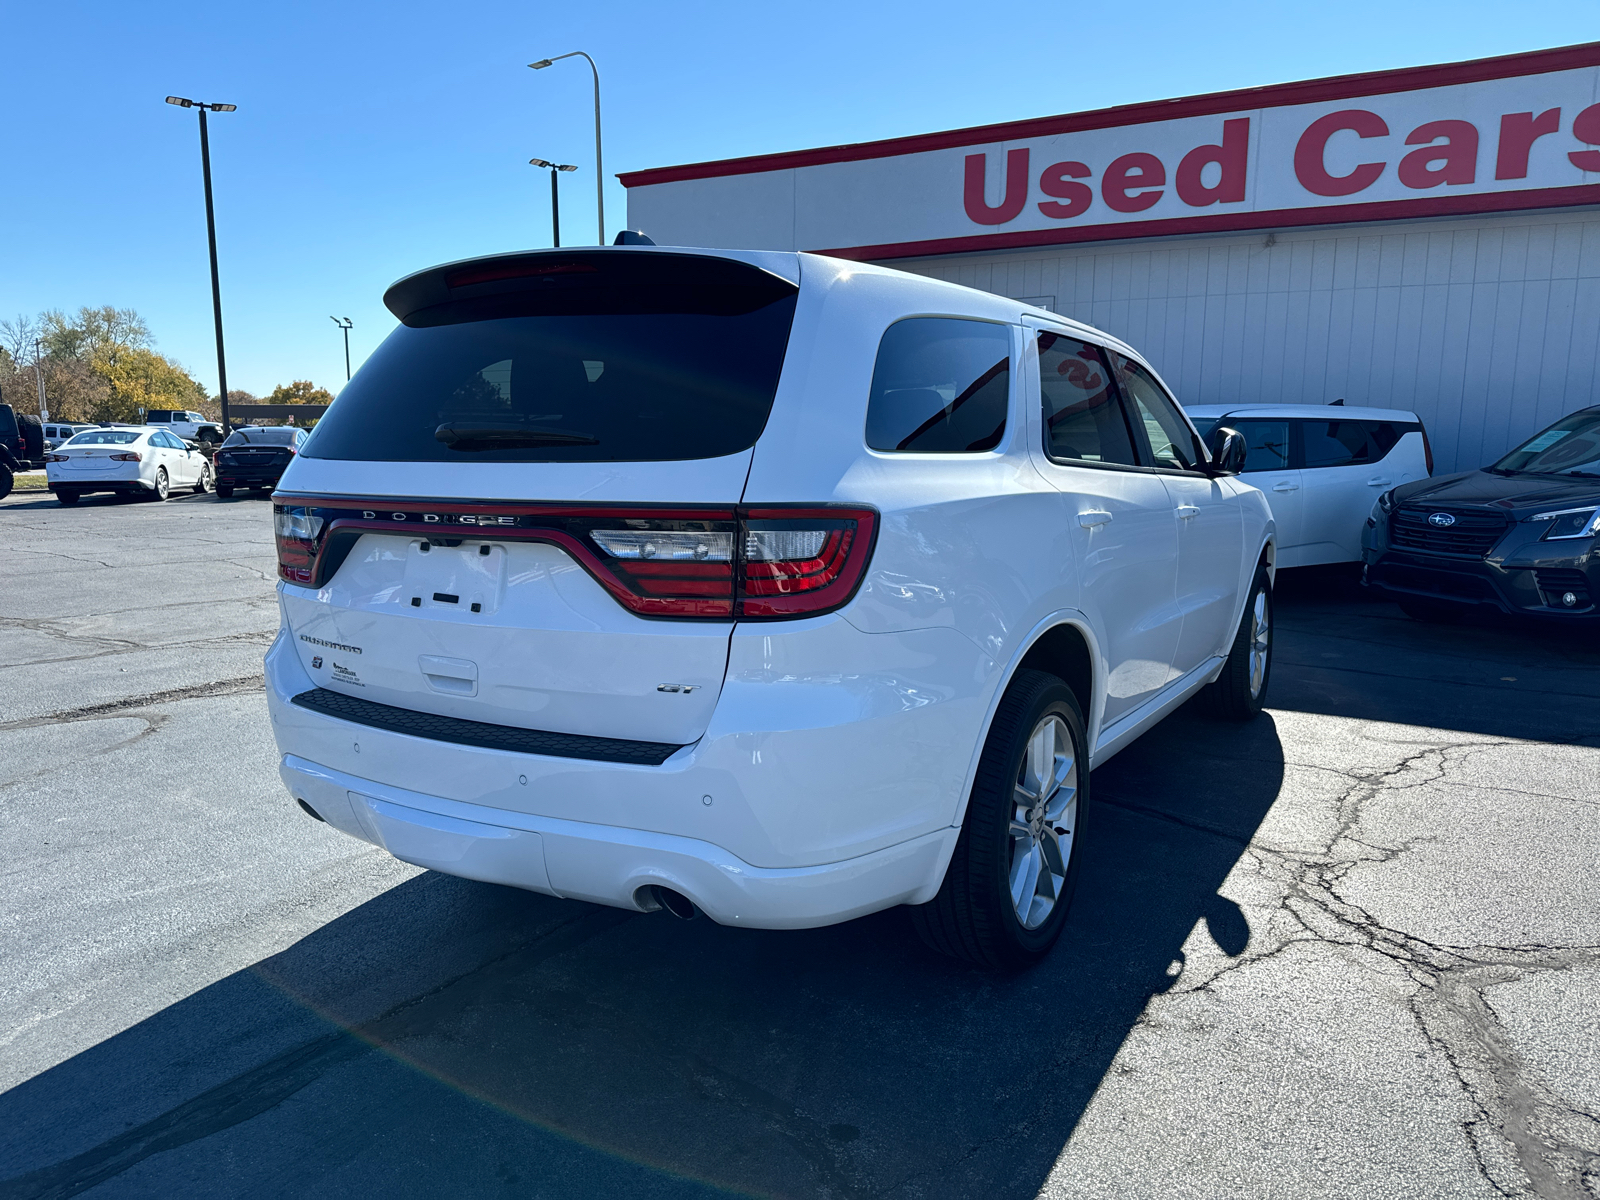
(1486, 327)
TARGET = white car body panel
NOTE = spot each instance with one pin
(1320, 511)
(825, 761)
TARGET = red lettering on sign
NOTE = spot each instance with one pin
(1231, 156)
(1459, 154)
(1586, 128)
(1016, 188)
(1129, 174)
(1309, 167)
(1057, 181)
(1518, 132)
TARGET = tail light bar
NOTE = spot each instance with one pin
(128, 456)
(736, 562)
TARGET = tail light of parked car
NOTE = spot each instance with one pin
(128, 456)
(745, 562)
(50, 458)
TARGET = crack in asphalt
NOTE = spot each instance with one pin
(92, 712)
(1554, 1144)
(252, 1093)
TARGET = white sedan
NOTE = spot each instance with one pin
(131, 461)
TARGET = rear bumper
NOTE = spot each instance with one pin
(616, 867)
(85, 486)
(236, 477)
(807, 801)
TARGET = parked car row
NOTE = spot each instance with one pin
(152, 462)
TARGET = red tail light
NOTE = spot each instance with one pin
(128, 456)
(747, 563)
(50, 458)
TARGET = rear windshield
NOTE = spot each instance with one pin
(274, 436)
(612, 361)
(107, 437)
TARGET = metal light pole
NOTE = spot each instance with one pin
(345, 323)
(44, 412)
(211, 239)
(555, 195)
(599, 170)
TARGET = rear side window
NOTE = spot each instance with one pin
(592, 357)
(940, 386)
(1083, 419)
(1336, 443)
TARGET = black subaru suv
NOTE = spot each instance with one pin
(1519, 536)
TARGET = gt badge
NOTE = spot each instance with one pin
(683, 688)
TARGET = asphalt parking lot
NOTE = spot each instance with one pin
(1350, 950)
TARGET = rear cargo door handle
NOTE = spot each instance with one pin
(1376, 482)
(452, 676)
(1187, 512)
(1090, 519)
(1286, 487)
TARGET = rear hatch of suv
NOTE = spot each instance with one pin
(523, 510)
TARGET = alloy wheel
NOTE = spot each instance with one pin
(1260, 642)
(1044, 815)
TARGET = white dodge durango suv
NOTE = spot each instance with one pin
(774, 586)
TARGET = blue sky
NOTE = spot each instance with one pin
(374, 139)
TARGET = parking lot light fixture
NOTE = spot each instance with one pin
(346, 324)
(599, 169)
(555, 195)
(211, 239)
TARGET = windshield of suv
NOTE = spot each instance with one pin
(107, 437)
(1569, 447)
(605, 366)
(273, 435)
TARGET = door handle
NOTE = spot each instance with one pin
(1378, 482)
(1286, 487)
(1090, 519)
(1187, 512)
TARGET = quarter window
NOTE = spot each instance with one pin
(940, 386)
(1083, 419)
(1172, 443)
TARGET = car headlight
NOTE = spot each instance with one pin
(1570, 523)
(1383, 507)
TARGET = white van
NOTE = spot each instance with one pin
(779, 587)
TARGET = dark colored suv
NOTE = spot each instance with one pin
(1519, 536)
(21, 445)
(255, 456)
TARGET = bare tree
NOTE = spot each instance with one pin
(18, 337)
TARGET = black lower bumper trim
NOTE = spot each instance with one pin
(481, 733)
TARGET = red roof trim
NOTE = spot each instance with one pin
(1308, 91)
(1336, 214)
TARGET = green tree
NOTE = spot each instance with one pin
(105, 331)
(142, 379)
(301, 391)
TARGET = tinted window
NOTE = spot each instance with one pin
(1335, 443)
(106, 437)
(1171, 442)
(8, 422)
(940, 386)
(1083, 418)
(1268, 443)
(594, 357)
(257, 435)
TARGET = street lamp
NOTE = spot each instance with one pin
(599, 171)
(211, 238)
(345, 323)
(555, 196)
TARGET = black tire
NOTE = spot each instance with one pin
(1238, 694)
(163, 488)
(1431, 611)
(974, 916)
(67, 499)
(224, 492)
(204, 484)
(6, 481)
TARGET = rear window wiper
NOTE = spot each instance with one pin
(481, 436)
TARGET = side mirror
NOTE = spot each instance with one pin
(1228, 450)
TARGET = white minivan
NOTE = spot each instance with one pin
(772, 586)
(1321, 468)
